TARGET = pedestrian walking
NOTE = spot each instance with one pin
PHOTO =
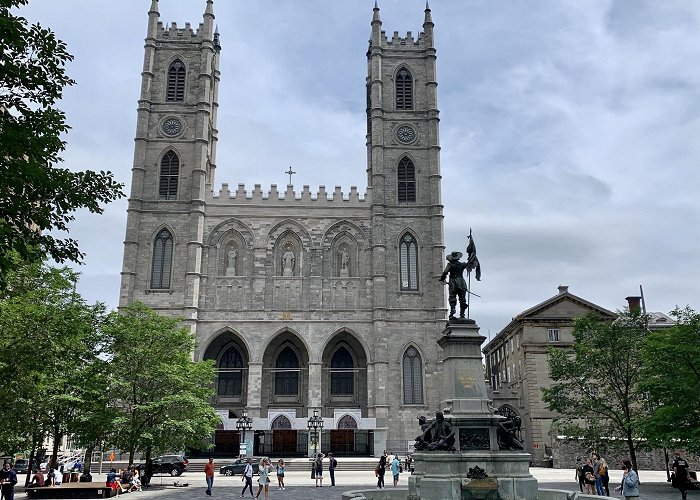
(8, 479)
(580, 476)
(630, 482)
(280, 474)
(264, 477)
(605, 477)
(209, 475)
(332, 464)
(318, 470)
(680, 477)
(395, 469)
(380, 470)
(248, 478)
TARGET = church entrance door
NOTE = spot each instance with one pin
(342, 441)
(226, 442)
(284, 442)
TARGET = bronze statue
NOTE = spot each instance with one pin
(457, 284)
(508, 432)
(439, 435)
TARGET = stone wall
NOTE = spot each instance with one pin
(566, 452)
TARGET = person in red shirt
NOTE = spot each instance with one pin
(209, 473)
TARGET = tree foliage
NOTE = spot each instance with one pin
(671, 381)
(159, 395)
(49, 344)
(596, 384)
(37, 197)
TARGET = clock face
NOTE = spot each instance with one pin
(405, 133)
(172, 126)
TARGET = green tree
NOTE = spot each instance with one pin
(36, 197)
(671, 378)
(160, 396)
(49, 343)
(595, 385)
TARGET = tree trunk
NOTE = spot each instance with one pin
(630, 445)
(56, 440)
(149, 465)
(31, 460)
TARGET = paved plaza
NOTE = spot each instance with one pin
(301, 487)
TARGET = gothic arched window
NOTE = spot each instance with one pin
(162, 260)
(412, 377)
(281, 422)
(404, 89)
(176, 81)
(230, 379)
(169, 173)
(406, 174)
(347, 422)
(342, 373)
(408, 262)
(287, 373)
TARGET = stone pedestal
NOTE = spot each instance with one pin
(441, 475)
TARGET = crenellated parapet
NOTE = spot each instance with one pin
(171, 31)
(290, 197)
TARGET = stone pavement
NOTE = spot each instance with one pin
(301, 487)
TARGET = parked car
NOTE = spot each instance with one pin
(238, 466)
(21, 465)
(167, 464)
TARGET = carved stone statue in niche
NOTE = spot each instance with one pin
(231, 262)
(344, 262)
(288, 260)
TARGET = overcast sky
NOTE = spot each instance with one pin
(570, 130)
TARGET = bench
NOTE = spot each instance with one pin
(72, 490)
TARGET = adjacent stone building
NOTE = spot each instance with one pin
(327, 301)
(517, 364)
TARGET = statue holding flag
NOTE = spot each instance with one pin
(458, 287)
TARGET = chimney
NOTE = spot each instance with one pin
(563, 288)
(634, 304)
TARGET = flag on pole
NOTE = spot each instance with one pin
(472, 260)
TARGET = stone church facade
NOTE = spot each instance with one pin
(326, 302)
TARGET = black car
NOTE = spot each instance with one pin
(238, 466)
(167, 464)
(21, 465)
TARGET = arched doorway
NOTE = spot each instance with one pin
(284, 438)
(342, 439)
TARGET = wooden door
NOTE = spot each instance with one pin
(284, 442)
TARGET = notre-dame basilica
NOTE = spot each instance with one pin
(324, 302)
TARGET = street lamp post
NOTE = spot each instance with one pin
(315, 423)
(243, 424)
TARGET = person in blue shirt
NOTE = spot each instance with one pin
(395, 469)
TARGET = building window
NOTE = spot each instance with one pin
(287, 373)
(404, 89)
(408, 261)
(412, 377)
(406, 174)
(162, 260)
(281, 422)
(342, 373)
(176, 82)
(169, 172)
(553, 334)
(230, 375)
(347, 422)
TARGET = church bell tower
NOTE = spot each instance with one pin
(174, 163)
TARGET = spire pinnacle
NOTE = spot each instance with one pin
(375, 16)
(154, 7)
(428, 16)
(210, 8)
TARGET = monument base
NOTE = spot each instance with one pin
(442, 475)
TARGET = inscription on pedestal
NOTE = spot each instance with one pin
(474, 439)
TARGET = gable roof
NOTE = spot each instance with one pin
(563, 296)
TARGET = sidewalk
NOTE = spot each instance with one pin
(300, 486)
